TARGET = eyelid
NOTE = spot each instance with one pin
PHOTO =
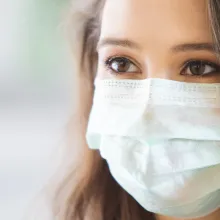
(107, 62)
(118, 55)
(206, 62)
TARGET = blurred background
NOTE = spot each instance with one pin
(35, 82)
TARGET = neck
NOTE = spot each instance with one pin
(213, 216)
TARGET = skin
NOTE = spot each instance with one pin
(213, 216)
(159, 30)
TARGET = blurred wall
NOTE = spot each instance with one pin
(35, 82)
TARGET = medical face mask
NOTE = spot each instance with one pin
(161, 139)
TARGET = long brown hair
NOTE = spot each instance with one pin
(89, 191)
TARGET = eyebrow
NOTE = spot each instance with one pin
(134, 45)
(118, 42)
(194, 46)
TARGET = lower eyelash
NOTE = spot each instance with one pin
(206, 62)
(185, 66)
(108, 69)
(106, 65)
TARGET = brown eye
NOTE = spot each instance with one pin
(122, 65)
(199, 68)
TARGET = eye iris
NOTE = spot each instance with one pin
(197, 68)
(120, 64)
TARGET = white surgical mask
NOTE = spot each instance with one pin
(161, 139)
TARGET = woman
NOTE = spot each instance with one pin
(150, 146)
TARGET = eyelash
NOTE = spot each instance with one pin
(204, 62)
(110, 58)
(184, 66)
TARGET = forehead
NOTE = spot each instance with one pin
(150, 21)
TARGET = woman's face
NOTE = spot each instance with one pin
(168, 39)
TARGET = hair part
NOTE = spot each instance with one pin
(89, 191)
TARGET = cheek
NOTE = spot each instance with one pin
(215, 78)
(102, 72)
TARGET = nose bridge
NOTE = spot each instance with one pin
(158, 74)
(157, 65)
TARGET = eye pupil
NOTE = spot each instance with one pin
(120, 64)
(197, 68)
